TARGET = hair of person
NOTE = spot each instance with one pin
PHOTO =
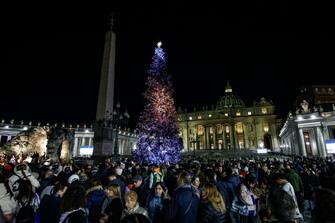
(74, 198)
(25, 190)
(184, 178)
(160, 184)
(115, 188)
(324, 205)
(59, 186)
(131, 194)
(214, 197)
(282, 205)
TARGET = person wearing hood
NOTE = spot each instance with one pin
(22, 171)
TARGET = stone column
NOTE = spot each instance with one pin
(245, 136)
(321, 143)
(231, 138)
(235, 144)
(302, 143)
(224, 146)
(90, 141)
(215, 138)
(325, 132)
(207, 137)
(75, 150)
(185, 140)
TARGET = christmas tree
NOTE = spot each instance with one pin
(158, 141)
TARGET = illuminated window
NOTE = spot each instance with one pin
(264, 110)
(227, 129)
(226, 114)
(199, 117)
(190, 118)
(209, 115)
(249, 113)
(238, 113)
(211, 130)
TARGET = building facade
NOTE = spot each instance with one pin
(83, 137)
(230, 125)
(311, 130)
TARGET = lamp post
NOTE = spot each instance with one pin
(118, 119)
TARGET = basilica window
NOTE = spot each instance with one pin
(199, 117)
(238, 113)
(219, 129)
(227, 129)
(266, 127)
(239, 127)
(200, 130)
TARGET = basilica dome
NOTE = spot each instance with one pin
(229, 100)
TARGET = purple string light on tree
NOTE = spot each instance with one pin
(158, 141)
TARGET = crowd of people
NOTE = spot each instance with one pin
(244, 190)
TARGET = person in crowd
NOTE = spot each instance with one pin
(95, 197)
(132, 206)
(73, 206)
(155, 203)
(185, 201)
(142, 191)
(281, 182)
(324, 211)
(298, 186)
(196, 182)
(7, 203)
(243, 208)
(27, 202)
(112, 206)
(50, 207)
(212, 205)
(282, 207)
(155, 176)
(21, 172)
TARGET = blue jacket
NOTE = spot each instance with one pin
(184, 205)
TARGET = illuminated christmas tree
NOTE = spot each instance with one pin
(158, 141)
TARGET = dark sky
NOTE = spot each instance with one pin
(51, 57)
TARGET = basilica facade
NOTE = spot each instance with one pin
(230, 125)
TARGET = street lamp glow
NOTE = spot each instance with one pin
(159, 44)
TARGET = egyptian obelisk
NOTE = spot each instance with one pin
(103, 131)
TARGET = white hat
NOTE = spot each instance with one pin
(72, 178)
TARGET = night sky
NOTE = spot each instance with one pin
(51, 58)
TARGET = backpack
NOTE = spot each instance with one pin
(16, 184)
(26, 213)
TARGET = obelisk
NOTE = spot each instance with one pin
(103, 144)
